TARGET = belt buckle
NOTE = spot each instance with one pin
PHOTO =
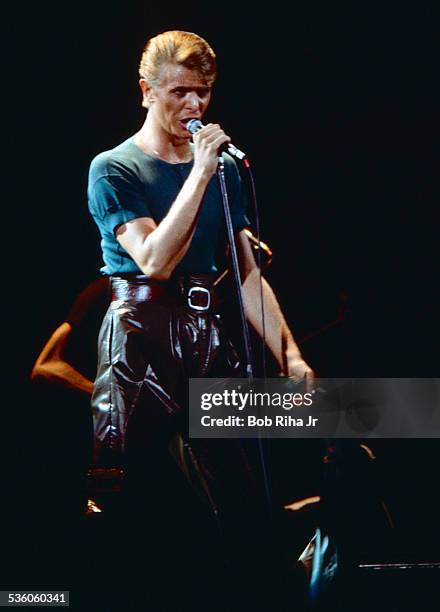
(202, 290)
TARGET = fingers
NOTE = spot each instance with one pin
(211, 135)
(207, 143)
(300, 372)
(309, 380)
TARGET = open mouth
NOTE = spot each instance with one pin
(184, 122)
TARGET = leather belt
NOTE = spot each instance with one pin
(137, 291)
(193, 290)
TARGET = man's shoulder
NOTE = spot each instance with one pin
(229, 160)
(118, 160)
(231, 168)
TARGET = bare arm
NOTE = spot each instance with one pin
(52, 366)
(279, 338)
(157, 249)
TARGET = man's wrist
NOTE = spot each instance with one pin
(200, 175)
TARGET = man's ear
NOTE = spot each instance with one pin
(147, 93)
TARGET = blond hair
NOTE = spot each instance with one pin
(177, 47)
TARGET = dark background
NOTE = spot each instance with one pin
(335, 106)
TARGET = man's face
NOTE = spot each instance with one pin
(182, 94)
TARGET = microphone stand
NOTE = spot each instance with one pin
(235, 270)
(246, 336)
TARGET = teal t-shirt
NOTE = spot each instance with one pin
(125, 183)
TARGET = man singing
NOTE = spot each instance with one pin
(156, 201)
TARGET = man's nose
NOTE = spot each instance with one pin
(193, 101)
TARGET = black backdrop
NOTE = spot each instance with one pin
(335, 106)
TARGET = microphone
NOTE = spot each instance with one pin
(194, 125)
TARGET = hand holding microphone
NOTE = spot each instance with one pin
(194, 125)
(207, 145)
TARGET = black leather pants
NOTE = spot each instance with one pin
(154, 337)
(187, 512)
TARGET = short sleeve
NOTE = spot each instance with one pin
(115, 194)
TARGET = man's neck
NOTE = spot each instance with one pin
(154, 141)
